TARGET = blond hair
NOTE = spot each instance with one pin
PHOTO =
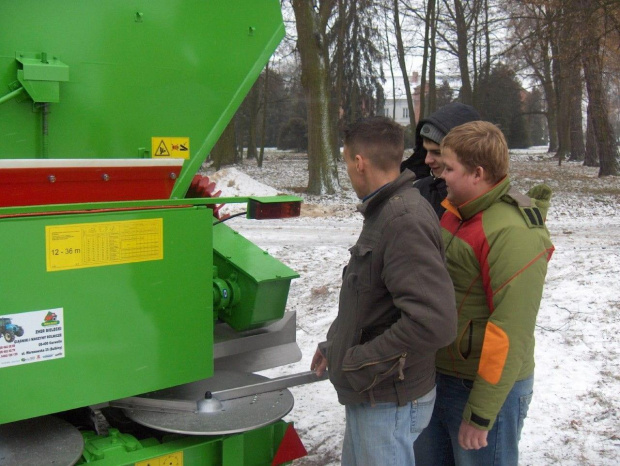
(479, 144)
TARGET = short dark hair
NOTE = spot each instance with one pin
(378, 138)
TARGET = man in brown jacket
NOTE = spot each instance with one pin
(397, 305)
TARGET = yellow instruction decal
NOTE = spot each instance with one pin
(172, 459)
(170, 148)
(107, 243)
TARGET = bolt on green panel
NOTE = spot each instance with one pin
(112, 304)
(264, 282)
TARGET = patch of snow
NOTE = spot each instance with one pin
(235, 183)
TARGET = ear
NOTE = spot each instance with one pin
(478, 174)
(360, 163)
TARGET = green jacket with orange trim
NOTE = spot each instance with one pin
(497, 249)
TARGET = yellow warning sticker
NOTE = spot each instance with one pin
(167, 148)
(84, 245)
(172, 459)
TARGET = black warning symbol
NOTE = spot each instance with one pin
(162, 150)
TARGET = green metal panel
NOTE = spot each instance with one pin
(137, 70)
(55, 208)
(129, 328)
(256, 447)
(263, 280)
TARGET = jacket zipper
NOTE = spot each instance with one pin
(454, 234)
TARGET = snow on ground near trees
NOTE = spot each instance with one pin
(574, 417)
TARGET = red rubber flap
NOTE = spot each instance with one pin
(290, 448)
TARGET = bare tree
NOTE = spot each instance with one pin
(593, 17)
(252, 102)
(429, 37)
(577, 143)
(388, 50)
(591, 157)
(463, 23)
(359, 30)
(400, 52)
(472, 31)
(225, 150)
(432, 67)
(533, 26)
(311, 23)
(263, 134)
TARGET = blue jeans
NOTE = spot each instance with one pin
(439, 444)
(383, 434)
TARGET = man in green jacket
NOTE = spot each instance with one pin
(497, 249)
(396, 305)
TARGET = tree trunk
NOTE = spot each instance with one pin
(475, 51)
(552, 106)
(544, 43)
(261, 154)
(467, 96)
(577, 145)
(560, 48)
(432, 80)
(429, 12)
(389, 55)
(572, 64)
(225, 150)
(313, 50)
(336, 98)
(591, 158)
(597, 97)
(253, 108)
(563, 122)
(400, 52)
(487, 38)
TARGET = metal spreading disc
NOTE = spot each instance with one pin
(41, 440)
(236, 415)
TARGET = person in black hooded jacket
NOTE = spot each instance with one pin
(425, 161)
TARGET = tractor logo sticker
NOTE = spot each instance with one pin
(170, 148)
(50, 319)
(32, 336)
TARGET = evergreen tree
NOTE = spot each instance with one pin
(501, 102)
(445, 94)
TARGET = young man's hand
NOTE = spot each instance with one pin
(319, 363)
(472, 438)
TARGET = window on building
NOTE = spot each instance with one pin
(406, 112)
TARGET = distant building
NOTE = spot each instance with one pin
(396, 101)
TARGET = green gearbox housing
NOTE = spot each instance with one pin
(257, 285)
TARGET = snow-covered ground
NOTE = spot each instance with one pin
(574, 418)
